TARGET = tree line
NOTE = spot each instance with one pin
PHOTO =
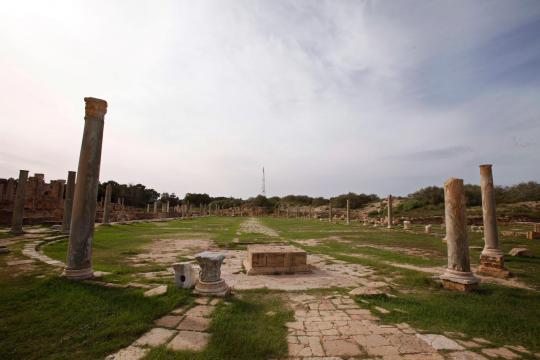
(432, 196)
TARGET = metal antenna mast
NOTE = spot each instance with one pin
(263, 184)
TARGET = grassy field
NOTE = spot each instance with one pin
(44, 316)
(53, 318)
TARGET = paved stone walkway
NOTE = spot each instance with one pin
(335, 327)
(182, 329)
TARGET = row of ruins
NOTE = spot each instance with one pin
(80, 203)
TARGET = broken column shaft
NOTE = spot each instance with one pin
(107, 204)
(458, 275)
(68, 202)
(18, 204)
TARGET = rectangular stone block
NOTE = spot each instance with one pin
(185, 275)
(531, 235)
(456, 286)
(275, 259)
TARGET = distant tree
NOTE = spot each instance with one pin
(197, 199)
(356, 201)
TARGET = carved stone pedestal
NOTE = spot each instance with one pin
(493, 265)
(210, 282)
(459, 281)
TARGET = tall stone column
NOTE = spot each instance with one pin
(390, 218)
(155, 207)
(68, 202)
(79, 260)
(168, 206)
(147, 208)
(107, 204)
(458, 275)
(329, 211)
(491, 258)
(348, 212)
(18, 204)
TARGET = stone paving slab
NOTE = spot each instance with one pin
(169, 321)
(194, 323)
(129, 353)
(155, 337)
(335, 327)
(200, 310)
(189, 340)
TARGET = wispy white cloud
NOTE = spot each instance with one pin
(330, 95)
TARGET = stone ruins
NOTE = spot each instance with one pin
(275, 259)
(458, 275)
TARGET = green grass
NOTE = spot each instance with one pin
(114, 245)
(49, 318)
(505, 316)
(242, 330)
(54, 318)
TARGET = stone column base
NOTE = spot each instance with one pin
(218, 288)
(493, 265)
(78, 274)
(459, 280)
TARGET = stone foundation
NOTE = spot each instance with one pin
(456, 286)
(275, 259)
(493, 266)
(217, 288)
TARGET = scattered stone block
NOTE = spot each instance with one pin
(365, 291)
(440, 342)
(56, 227)
(155, 337)
(520, 252)
(160, 290)
(202, 300)
(185, 275)
(4, 250)
(275, 259)
(189, 340)
(214, 302)
(382, 310)
(531, 235)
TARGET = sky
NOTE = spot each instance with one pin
(330, 97)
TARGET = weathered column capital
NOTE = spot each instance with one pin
(95, 108)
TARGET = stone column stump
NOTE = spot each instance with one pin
(185, 275)
(458, 275)
(407, 225)
(210, 281)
